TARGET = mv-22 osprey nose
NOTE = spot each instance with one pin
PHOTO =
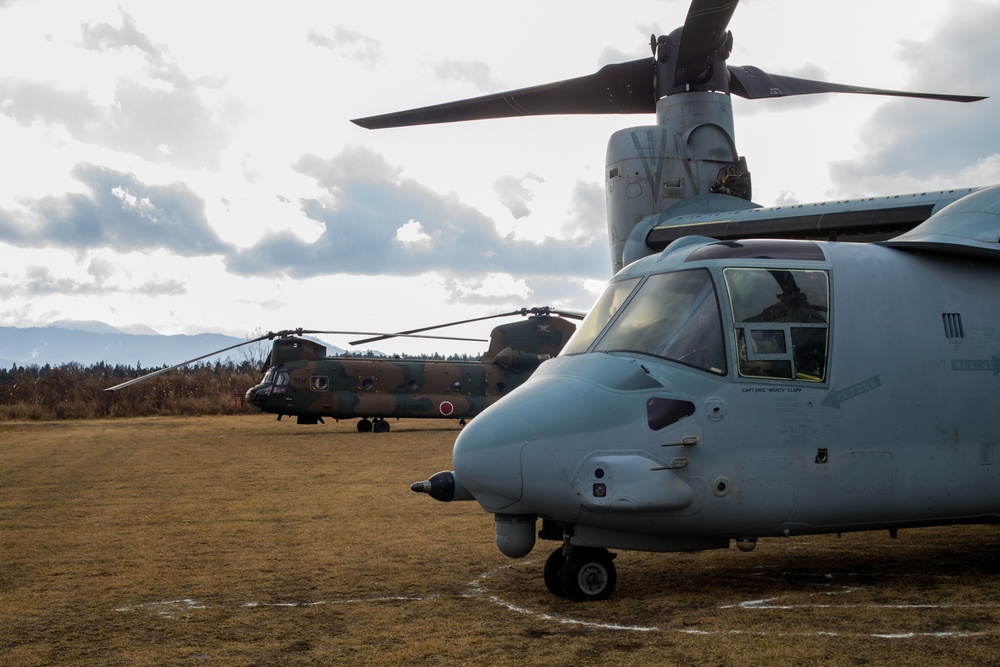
(744, 375)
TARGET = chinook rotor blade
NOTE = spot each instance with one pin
(617, 88)
(379, 335)
(754, 83)
(147, 376)
(542, 312)
(537, 312)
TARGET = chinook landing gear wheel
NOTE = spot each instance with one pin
(364, 426)
(588, 574)
(381, 426)
(553, 572)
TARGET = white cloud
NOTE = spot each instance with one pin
(412, 233)
(493, 286)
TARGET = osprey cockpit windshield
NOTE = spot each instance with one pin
(673, 316)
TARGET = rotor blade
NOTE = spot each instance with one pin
(571, 314)
(543, 310)
(436, 326)
(617, 88)
(268, 336)
(379, 335)
(705, 30)
(147, 376)
(754, 83)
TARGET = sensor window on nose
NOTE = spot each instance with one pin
(662, 412)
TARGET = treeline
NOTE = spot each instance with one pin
(74, 391)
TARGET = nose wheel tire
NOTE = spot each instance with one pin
(588, 574)
(585, 574)
(553, 572)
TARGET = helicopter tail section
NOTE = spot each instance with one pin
(527, 343)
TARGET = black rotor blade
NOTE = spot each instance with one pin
(705, 31)
(270, 335)
(430, 328)
(754, 83)
(300, 332)
(147, 376)
(617, 88)
(571, 314)
(379, 335)
(540, 311)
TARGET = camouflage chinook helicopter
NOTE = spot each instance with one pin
(302, 381)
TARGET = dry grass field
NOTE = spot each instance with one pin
(245, 541)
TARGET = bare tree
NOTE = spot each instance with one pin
(256, 353)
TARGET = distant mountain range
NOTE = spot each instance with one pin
(88, 343)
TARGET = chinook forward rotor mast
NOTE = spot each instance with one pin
(690, 154)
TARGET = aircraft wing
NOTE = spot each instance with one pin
(869, 219)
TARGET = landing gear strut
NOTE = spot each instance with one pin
(584, 574)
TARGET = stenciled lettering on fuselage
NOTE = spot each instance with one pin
(838, 396)
(992, 364)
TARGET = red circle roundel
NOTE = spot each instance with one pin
(446, 408)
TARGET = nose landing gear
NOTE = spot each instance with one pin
(584, 574)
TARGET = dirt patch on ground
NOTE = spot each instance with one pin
(246, 541)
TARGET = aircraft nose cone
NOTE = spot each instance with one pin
(487, 457)
(571, 404)
(255, 396)
(488, 452)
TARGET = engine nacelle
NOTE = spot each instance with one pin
(651, 168)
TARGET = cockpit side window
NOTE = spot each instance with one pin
(593, 324)
(674, 316)
(277, 376)
(781, 320)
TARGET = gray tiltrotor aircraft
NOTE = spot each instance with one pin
(744, 375)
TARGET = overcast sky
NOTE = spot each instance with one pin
(191, 166)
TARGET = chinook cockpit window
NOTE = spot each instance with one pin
(674, 316)
(593, 324)
(781, 318)
(277, 376)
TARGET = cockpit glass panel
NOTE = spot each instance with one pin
(614, 296)
(778, 295)
(674, 316)
(781, 318)
(277, 376)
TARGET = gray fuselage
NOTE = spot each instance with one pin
(869, 404)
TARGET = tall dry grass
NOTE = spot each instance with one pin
(73, 391)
